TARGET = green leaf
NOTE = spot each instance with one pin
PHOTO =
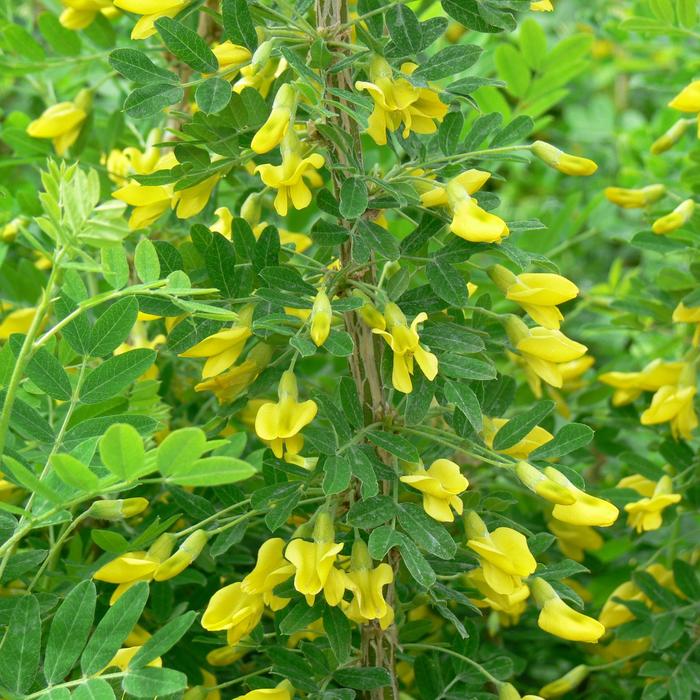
(353, 197)
(26, 477)
(44, 370)
(462, 367)
(404, 29)
(113, 629)
(122, 451)
(59, 694)
(135, 65)
(467, 12)
(238, 25)
(153, 682)
(518, 427)
(115, 374)
(213, 95)
(447, 283)
(533, 43)
(415, 562)
(465, 400)
(448, 62)
(187, 45)
(339, 343)
(113, 326)
(350, 402)
(93, 689)
(151, 99)
(394, 444)
(69, 631)
(299, 616)
(686, 579)
(512, 69)
(361, 466)
(339, 632)
(371, 512)
(378, 239)
(287, 279)
(516, 130)
(180, 450)
(336, 475)
(214, 471)
(571, 437)
(21, 646)
(74, 473)
(426, 532)
(163, 640)
(687, 11)
(63, 41)
(146, 261)
(363, 678)
(115, 266)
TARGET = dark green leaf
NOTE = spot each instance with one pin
(405, 30)
(447, 283)
(135, 65)
(339, 632)
(518, 427)
(448, 62)
(363, 678)
(353, 197)
(153, 682)
(113, 326)
(116, 374)
(187, 45)
(213, 95)
(238, 25)
(163, 640)
(426, 532)
(44, 370)
(394, 444)
(151, 99)
(571, 437)
(465, 400)
(21, 646)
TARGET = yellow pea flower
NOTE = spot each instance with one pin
(280, 423)
(283, 691)
(366, 582)
(686, 314)
(673, 404)
(261, 72)
(542, 6)
(79, 14)
(62, 122)
(440, 485)
(575, 540)
(222, 349)
(186, 553)
(503, 554)
(557, 618)
(321, 317)
(230, 55)
(149, 202)
(563, 162)
(671, 137)
(190, 201)
(688, 99)
(543, 349)
(288, 178)
(206, 691)
(537, 437)
(586, 509)
(369, 313)
(314, 562)
(634, 199)
(569, 681)
(123, 657)
(404, 342)
(646, 514)
(677, 218)
(397, 101)
(507, 691)
(542, 485)
(150, 11)
(233, 610)
(228, 385)
(225, 656)
(17, 321)
(270, 570)
(629, 385)
(271, 133)
(539, 294)
(509, 606)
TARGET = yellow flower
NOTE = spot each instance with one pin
(404, 342)
(149, 202)
(440, 485)
(538, 294)
(280, 423)
(123, 657)
(150, 11)
(261, 72)
(17, 321)
(686, 314)
(671, 137)
(677, 218)
(634, 199)
(543, 349)
(366, 582)
(190, 201)
(673, 404)
(542, 6)
(228, 385)
(230, 55)
(563, 162)
(283, 691)
(574, 540)
(186, 553)
(79, 14)
(62, 122)
(270, 570)
(314, 562)
(586, 509)
(646, 514)
(629, 385)
(273, 130)
(397, 101)
(222, 349)
(233, 610)
(509, 606)
(688, 99)
(206, 691)
(321, 317)
(569, 681)
(542, 485)
(503, 554)
(557, 618)
(288, 178)
(537, 437)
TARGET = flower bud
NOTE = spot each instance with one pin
(323, 528)
(507, 691)
(569, 681)
(679, 216)
(563, 162)
(536, 481)
(369, 313)
(474, 525)
(670, 138)
(116, 509)
(188, 551)
(502, 277)
(634, 199)
(321, 316)
(273, 130)
(251, 209)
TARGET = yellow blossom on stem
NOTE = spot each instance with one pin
(186, 553)
(17, 321)
(568, 682)
(150, 11)
(542, 485)
(646, 514)
(367, 582)
(671, 137)
(539, 294)
(674, 404)
(503, 553)
(271, 133)
(79, 14)
(563, 162)
(634, 199)
(62, 122)
(261, 72)
(123, 657)
(288, 178)
(688, 99)
(233, 610)
(405, 344)
(280, 423)
(677, 218)
(507, 691)
(321, 317)
(230, 55)
(190, 201)
(586, 509)
(441, 484)
(270, 570)
(314, 562)
(629, 385)
(542, 6)
(282, 691)
(509, 606)
(575, 540)
(557, 618)
(537, 437)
